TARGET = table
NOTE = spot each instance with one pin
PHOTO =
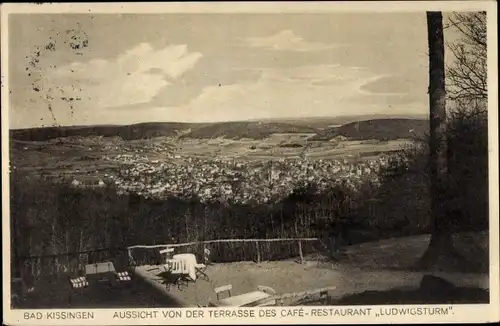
(246, 299)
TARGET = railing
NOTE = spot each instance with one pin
(222, 250)
(226, 250)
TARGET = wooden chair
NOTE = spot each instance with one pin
(221, 289)
(78, 283)
(174, 274)
(201, 268)
(166, 254)
(323, 295)
(206, 256)
(123, 276)
(200, 271)
(78, 286)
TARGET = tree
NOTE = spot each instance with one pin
(467, 76)
(441, 240)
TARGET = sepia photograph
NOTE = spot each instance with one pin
(266, 159)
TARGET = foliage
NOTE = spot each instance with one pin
(406, 179)
(378, 129)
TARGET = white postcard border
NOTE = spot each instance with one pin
(455, 313)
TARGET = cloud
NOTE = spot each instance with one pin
(133, 77)
(313, 75)
(314, 90)
(323, 90)
(286, 41)
(395, 85)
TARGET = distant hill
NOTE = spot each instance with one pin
(379, 129)
(128, 132)
(245, 129)
(327, 122)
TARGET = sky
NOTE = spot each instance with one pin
(84, 69)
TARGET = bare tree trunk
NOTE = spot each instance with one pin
(186, 221)
(16, 252)
(80, 248)
(441, 240)
(53, 237)
(301, 255)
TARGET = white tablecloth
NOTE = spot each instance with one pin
(189, 264)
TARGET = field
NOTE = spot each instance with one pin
(80, 156)
(284, 146)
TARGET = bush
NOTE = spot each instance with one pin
(403, 199)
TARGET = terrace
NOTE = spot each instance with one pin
(376, 266)
(365, 267)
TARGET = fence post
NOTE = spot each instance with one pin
(130, 257)
(258, 251)
(300, 252)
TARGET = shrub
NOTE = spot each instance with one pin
(403, 200)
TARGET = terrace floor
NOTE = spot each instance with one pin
(367, 267)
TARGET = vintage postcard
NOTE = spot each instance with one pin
(250, 163)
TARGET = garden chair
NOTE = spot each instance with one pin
(78, 283)
(78, 286)
(200, 271)
(123, 277)
(323, 295)
(206, 256)
(166, 254)
(175, 274)
(222, 289)
(202, 267)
